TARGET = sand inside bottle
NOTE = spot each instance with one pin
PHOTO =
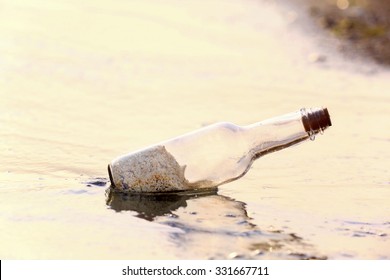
(153, 170)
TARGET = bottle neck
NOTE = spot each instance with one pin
(284, 131)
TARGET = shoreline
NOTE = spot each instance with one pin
(361, 27)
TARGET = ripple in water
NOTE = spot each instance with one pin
(212, 226)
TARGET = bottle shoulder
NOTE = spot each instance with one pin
(227, 126)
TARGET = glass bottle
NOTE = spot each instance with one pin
(213, 155)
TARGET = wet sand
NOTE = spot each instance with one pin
(82, 83)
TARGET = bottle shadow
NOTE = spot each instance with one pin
(209, 225)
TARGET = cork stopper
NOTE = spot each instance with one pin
(315, 120)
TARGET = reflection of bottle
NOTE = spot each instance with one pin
(213, 155)
(196, 230)
(148, 206)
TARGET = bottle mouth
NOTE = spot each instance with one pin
(315, 120)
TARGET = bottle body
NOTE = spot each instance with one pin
(210, 156)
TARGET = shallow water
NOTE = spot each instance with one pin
(82, 83)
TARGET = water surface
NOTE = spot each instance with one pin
(82, 83)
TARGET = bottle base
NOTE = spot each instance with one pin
(110, 175)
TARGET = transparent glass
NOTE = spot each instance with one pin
(213, 155)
